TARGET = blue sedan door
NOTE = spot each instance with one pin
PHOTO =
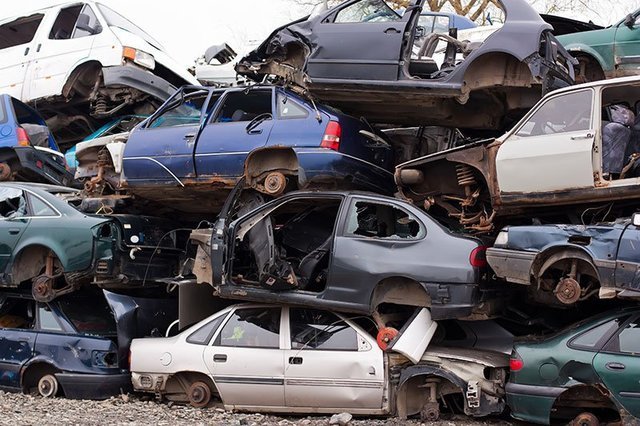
(17, 338)
(161, 151)
(241, 123)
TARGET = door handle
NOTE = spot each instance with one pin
(219, 358)
(392, 31)
(587, 136)
(615, 366)
(189, 136)
(14, 231)
(24, 339)
(254, 132)
(26, 51)
(38, 48)
(296, 360)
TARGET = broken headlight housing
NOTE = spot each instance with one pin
(502, 239)
(139, 57)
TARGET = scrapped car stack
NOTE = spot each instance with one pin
(444, 224)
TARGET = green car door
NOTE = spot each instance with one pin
(618, 365)
(13, 222)
(627, 45)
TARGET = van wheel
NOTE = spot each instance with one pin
(199, 394)
(48, 386)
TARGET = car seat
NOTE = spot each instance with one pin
(616, 136)
(311, 264)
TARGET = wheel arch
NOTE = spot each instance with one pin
(406, 404)
(182, 379)
(34, 369)
(34, 255)
(398, 290)
(494, 68)
(582, 392)
(262, 161)
(82, 72)
(548, 257)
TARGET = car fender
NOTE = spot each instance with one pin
(38, 359)
(574, 48)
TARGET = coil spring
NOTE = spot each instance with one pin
(465, 175)
(100, 106)
(104, 158)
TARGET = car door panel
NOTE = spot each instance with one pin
(240, 379)
(358, 50)
(627, 275)
(355, 378)
(17, 339)
(627, 48)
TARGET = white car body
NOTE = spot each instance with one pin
(40, 67)
(295, 378)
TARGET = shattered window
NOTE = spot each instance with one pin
(203, 335)
(243, 106)
(566, 113)
(13, 203)
(20, 31)
(382, 221)
(371, 11)
(251, 328)
(321, 330)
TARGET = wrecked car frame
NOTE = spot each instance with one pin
(328, 55)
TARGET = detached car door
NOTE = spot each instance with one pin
(361, 40)
(627, 47)
(618, 365)
(245, 358)
(161, 150)
(552, 148)
(330, 364)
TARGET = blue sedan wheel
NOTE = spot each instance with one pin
(48, 386)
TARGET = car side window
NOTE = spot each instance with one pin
(383, 221)
(371, 11)
(287, 108)
(184, 109)
(17, 313)
(13, 203)
(566, 113)
(594, 338)
(627, 341)
(244, 106)
(21, 31)
(203, 335)
(251, 328)
(321, 330)
(39, 207)
(47, 319)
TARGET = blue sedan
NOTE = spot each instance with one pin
(201, 141)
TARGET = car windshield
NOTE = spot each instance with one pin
(89, 315)
(114, 19)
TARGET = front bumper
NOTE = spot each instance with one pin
(511, 265)
(139, 79)
(94, 386)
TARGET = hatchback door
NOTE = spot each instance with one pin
(361, 40)
(618, 365)
(331, 365)
(161, 151)
(245, 358)
(552, 148)
(627, 47)
(241, 123)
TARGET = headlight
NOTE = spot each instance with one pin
(503, 238)
(139, 57)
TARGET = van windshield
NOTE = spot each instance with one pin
(114, 19)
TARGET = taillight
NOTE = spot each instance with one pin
(23, 137)
(478, 257)
(515, 363)
(331, 138)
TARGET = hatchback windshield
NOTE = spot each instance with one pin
(89, 315)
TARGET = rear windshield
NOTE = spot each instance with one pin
(89, 315)
(20, 31)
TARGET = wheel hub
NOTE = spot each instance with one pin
(386, 336)
(275, 183)
(5, 172)
(568, 291)
(42, 289)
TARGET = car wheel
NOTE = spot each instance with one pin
(199, 394)
(585, 419)
(48, 386)
(430, 412)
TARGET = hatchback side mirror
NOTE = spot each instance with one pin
(629, 21)
(635, 219)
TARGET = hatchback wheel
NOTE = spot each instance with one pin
(199, 394)
(48, 386)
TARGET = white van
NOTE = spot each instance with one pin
(79, 63)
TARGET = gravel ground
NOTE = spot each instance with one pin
(19, 409)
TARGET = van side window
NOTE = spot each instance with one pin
(20, 31)
(63, 26)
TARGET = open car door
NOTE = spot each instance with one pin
(361, 38)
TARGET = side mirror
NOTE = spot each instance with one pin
(629, 21)
(83, 24)
(635, 219)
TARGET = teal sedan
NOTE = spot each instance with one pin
(47, 243)
(588, 373)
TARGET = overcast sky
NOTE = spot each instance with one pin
(187, 30)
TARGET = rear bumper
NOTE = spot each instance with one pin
(139, 79)
(49, 172)
(531, 403)
(94, 386)
(452, 301)
(511, 265)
